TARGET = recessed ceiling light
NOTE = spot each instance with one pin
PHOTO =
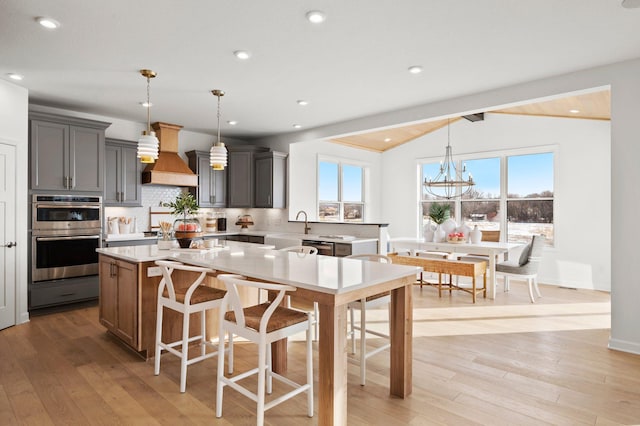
(232, 122)
(48, 23)
(242, 54)
(387, 139)
(574, 111)
(15, 76)
(297, 126)
(302, 102)
(146, 104)
(316, 16)
(415, 69)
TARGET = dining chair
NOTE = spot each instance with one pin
(186, 300)
(526, 267)
(262, 324)
(299, 304)
(377, 300)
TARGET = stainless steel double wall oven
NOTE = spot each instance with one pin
(66, 231)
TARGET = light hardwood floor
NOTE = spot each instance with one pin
(496, 362)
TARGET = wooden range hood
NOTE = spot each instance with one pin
(169, 168)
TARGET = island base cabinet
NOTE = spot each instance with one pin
(118, 299)
(128, 305)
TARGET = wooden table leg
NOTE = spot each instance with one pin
(401, 342)
(332, 365)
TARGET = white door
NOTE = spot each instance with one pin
(7, 235)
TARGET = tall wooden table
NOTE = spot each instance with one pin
(332, 282)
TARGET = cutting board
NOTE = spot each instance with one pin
(160, 214)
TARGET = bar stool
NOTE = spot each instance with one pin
(302, 306)
(262, 324)
(370, 302)
(195, 298)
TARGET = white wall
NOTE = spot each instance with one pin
(303, 174)
(14, 131)
(583, 147)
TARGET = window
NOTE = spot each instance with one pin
(520, 185)
(340, 192)
(530, 197)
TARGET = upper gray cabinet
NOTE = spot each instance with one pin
(212, 184)
(241, 165)
(67, 153)
(123, 174)
(271, 180)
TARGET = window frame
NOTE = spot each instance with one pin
(503, 155)
(341, 162)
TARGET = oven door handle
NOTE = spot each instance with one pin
(77, 237)
(67, 206)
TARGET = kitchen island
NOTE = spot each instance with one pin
(332, 282)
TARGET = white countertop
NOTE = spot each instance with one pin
(327, 274)
(151, 253)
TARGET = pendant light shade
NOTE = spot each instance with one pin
(148, 142)
(218, 153)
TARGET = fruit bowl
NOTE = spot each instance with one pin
(185, 230)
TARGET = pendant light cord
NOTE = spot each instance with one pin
(218, 119)
(148, 105)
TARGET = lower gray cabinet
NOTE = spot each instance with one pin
(122, 184)
(212, 184)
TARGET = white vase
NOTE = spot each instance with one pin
(476, 235)
(429, 230)
(439, 235)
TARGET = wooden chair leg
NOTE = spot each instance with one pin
(473, 288)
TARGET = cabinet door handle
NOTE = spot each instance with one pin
(70, 182)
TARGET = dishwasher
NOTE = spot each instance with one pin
(324, 248)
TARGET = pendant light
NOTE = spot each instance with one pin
(148, 142)
(218, 153)
(450, 181)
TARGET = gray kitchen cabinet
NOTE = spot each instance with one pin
(67, 153)
(212, 184)
(241, 165)
(123, 174)
(271, 180)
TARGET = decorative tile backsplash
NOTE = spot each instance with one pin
(275, 220)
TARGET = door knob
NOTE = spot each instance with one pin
(10, 244)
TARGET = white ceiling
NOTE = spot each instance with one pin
(353, 65)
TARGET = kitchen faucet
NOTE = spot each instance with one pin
(307, 228)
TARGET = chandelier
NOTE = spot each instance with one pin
(450, 181)
(148, 143)
(218, 153)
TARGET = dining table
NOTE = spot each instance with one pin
(332, 282)
(491, 249)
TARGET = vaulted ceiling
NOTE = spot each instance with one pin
(594, 105)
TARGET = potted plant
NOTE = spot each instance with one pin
(438, 213)
(187, 228)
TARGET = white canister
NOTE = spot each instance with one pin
(476, 235)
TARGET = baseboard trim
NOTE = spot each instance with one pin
(624, 346)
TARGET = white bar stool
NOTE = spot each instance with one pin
(195, 298)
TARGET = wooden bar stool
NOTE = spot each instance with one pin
(195, 298)
(262, 324)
